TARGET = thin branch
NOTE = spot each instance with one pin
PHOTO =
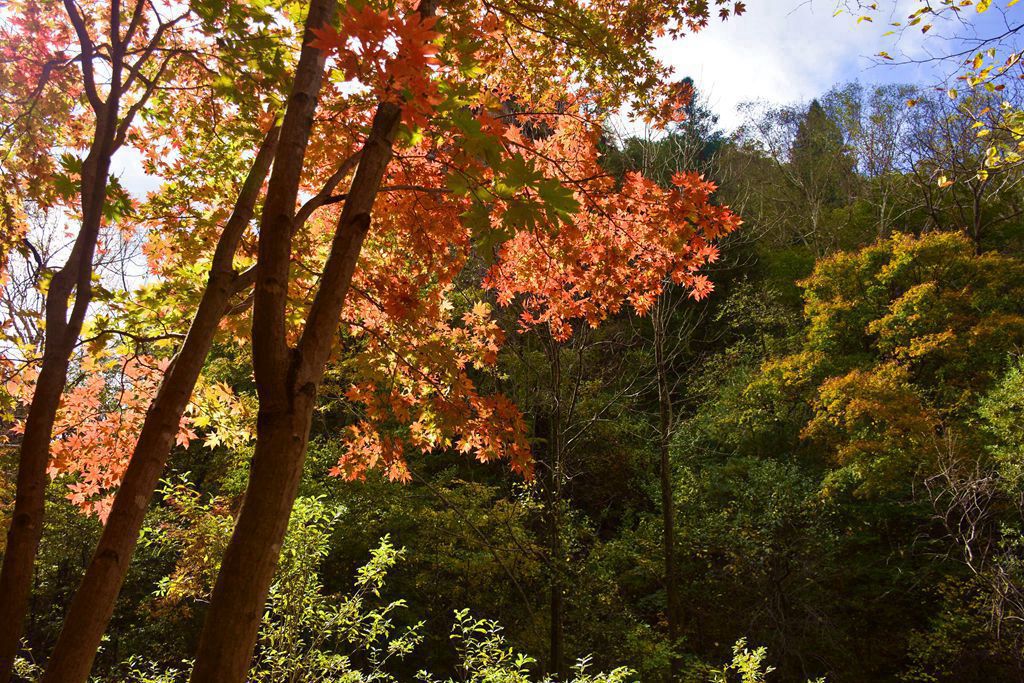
(88, 50)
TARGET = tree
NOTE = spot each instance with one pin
(882, 140)
(94, 603)
(691, 144)
(902, 340)
(948, 166)
(580, 281)
(805, 171)
(820, 161)
(985, 59)
(156, 413)
(519, 193)
(688, 145)
(139, 48)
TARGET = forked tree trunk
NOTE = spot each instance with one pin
(287, 381)
(94, 602)
(72, 282)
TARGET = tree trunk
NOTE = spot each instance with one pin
(94, 601)
(62, 331)
(658, 318)
(286, 379)
(557, 664)
(553, 502)
(229, 634)
(282, 432)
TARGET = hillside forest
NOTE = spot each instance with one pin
(457, 340)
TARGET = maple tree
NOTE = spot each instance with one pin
(97, 67)
(100, 467)
(94, 602)
(505, 186)
(450, 158)
(447, 217)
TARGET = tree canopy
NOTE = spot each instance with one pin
(392, 357)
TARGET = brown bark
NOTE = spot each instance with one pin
(287, 399)
(287, 379)
(72, 282)
(556, 659)
(557, 664)
(93, 604)
(286, 386)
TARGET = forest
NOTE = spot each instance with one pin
(353, 341)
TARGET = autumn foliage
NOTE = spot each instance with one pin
(469, 135)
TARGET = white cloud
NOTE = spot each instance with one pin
(787, 51)
(127, 166)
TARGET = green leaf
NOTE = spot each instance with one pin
(520, 214)
(558, 200)
(457, 183)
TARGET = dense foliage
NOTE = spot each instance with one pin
(568, 420)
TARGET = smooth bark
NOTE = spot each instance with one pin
(549, 431)
(556, 665)
(70, 288)
(93, 604)
(287, 382)
(287, 379)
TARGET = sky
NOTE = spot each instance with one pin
(781, 51)
(787, 51)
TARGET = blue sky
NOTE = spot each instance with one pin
(791, 50)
